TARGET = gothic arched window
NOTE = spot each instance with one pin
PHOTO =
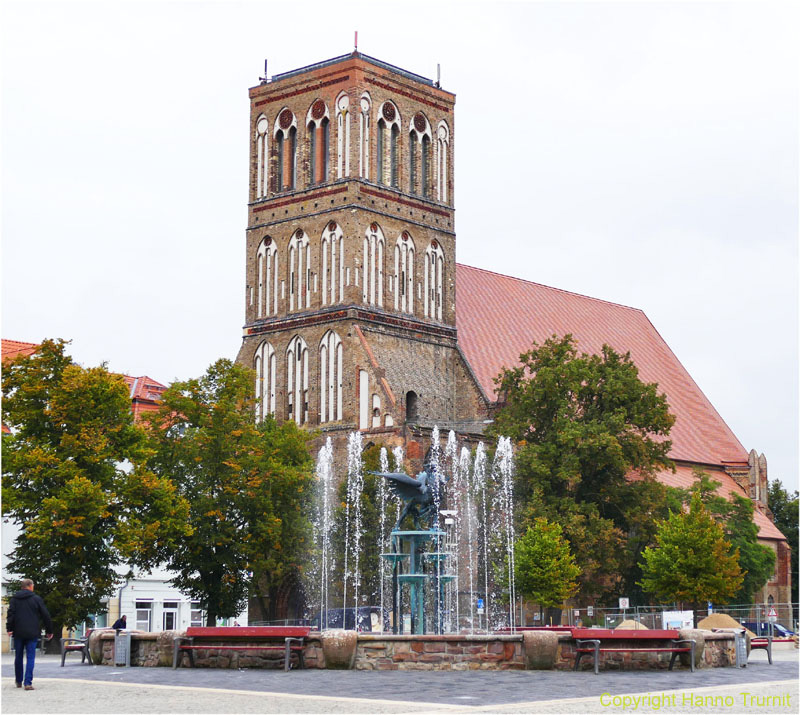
(262, 131)
(264, 365)
(285, 151)
(442, 149)
(419, 146)
(434, 281)
(363, 136)
(267, 267)
(299, 271)
(318, 125)
(388, 145)
(404, 273)
(342, 136)
(373, 265)
(330, 377)
(297, 380)
(332, 264)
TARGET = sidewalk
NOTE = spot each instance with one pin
(79, 688)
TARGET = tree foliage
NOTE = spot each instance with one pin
(785, 508)
(545, 570)
(692, 561)
(248, 487)
(582, 424)
(74, 482)
(736, 518)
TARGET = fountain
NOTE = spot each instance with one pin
(438, 552)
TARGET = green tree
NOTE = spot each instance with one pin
(735, 515)
(248, 487)
(582, 424)
(74, 482)
(692, 562)
(785, 507)
(545, 570)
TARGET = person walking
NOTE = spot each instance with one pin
(25, 610)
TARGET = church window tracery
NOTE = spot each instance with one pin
(285, 135)
(333, 277)
(419, 148)
(297, 380)
(264, 364)
(388, 145)
(299, 271)
(434, 281)
(262, 131)
(372, 289)
(318, 126)
(267, 267)
(404, 253)
(330, 377)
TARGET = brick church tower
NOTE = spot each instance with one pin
(350, 296)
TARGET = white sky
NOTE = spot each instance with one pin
(644, 153)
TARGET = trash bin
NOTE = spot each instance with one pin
(741, 648)
(122, 648)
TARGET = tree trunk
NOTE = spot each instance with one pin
(54, 644)
(211, 619)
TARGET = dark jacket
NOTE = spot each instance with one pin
(119, 624)
(25, 610)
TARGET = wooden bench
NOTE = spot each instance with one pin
(76, 645)
(291, 639)
(592, 641)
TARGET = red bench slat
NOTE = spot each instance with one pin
(225, 632)
(607, 633)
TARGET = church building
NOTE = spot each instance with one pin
(357, 316)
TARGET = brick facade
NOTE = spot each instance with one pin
(403, 334)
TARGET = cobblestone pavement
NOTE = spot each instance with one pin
(76, 688)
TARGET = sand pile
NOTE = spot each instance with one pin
(720, 620)
(631, 626)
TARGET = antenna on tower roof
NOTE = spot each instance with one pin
(355, 42)
(438, 75)
(265, 77)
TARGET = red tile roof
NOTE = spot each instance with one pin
(684, 478)
(145, 393)
(499, 317)
(14, 348)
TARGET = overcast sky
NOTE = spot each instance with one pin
(644, 153)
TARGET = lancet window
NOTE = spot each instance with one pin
(318, 126)
(297, 380)
(262, 131)
(285, 134)
(342, 136)
(373, 265)
(299, 276)
(388, 145)
(330, 378)
(442, 153)
(404, 273)
(363, 136)
(333, 276)
(419, 150)
(264, 364)
(267, 267)
(434, 281)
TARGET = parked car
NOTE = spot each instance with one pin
(762, 629)
(368, 619)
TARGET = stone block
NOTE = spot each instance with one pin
(495, 647)
(434, 647)
(417, 646)
(540, 648)
(699, 649)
